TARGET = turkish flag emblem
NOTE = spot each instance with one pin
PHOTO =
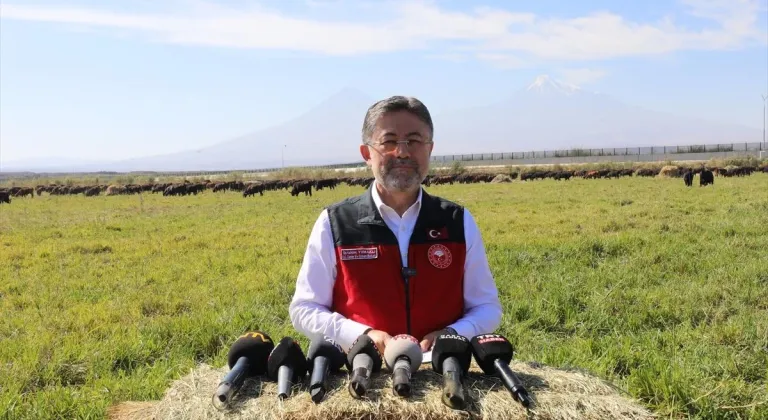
(435, 234)
(439, 256)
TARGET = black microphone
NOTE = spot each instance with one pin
(493, 354)
(323, 356)
(286, 365)
(247, 357)
(451, 357)
(363, 359)
(403, 356)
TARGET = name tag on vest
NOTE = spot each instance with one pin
(359, 254)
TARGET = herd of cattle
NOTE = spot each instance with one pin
(297, 187)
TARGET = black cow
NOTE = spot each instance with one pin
(175, 189)
(302, 187)
(688, 178)
(5, 197)
(23, 192)
(252, 189)
(706, 177)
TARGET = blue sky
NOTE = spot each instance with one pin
(105, 79)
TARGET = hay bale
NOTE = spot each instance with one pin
(670, 171)
(115, 190)
(498, 179)
(132, 410)
(557, 394)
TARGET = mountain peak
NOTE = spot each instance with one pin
(347, 97)
(545, 83)
(348, 93)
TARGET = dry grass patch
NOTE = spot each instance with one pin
(557, 394)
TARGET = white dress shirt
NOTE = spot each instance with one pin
(309, 309)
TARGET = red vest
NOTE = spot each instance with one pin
(372, 286)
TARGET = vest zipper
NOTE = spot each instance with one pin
(407, 304)
(407, 273)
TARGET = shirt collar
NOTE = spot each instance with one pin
(380, 204)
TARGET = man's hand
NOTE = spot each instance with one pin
(429, 339)
(381, 339)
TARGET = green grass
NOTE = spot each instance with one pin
(661, 289)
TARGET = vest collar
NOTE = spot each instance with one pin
(368, 212)
(380, 203)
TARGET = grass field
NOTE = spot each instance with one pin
(659, 288)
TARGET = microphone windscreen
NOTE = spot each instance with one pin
(451, 345)
(329, 349)
(365, 345)
(489, 347)
(287, 352)
(256, 346)
(403, 345)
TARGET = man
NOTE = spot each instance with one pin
(395, 260)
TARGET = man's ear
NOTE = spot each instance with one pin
(365, 152)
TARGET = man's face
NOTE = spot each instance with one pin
(400, 167)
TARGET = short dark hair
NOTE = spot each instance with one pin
(393, 104)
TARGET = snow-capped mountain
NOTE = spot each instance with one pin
(550, 115)
(546, 84)
(546, 114)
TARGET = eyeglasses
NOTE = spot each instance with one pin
(390, 145)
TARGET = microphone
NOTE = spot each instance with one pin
(363, 359)
(493, 353)
(247, 357)
(403, 356)
(323, 356)
(451, 357)
(286, 365)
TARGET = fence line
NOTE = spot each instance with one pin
(753, 148)
(647, 154)
(734, 148)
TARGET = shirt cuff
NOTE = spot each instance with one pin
(349, 332)
(464, 328)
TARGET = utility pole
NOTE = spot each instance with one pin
(765, 99)
(282, 154)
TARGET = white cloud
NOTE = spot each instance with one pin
(738, 16)
(504, 38)
(455, 57)
(580, 77)
(503, 61)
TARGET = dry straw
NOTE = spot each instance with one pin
(501, 178)
(670, 171)
(557, 394)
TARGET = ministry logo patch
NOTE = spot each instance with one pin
(439, 256)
